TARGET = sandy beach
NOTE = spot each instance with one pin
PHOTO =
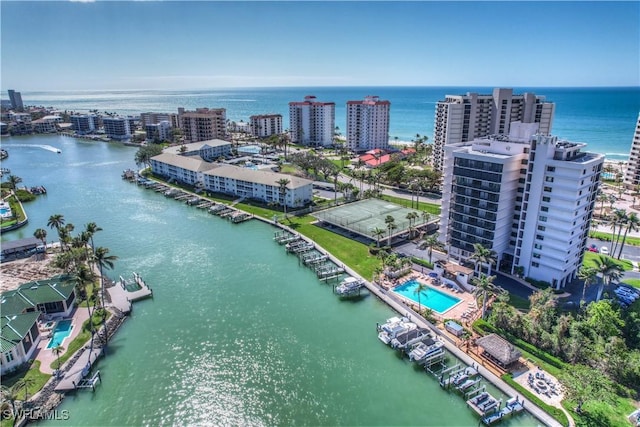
(15, 273)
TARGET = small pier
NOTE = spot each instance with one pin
(313, 258)
(74, 377)
(299, 246)
(282, 238)
(127, 291)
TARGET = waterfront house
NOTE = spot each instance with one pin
(53, 297)
(19, 337)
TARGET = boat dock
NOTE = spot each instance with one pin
(74, 378)
(513, 406)
(126, 292)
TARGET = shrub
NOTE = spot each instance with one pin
(540, 284)
(25, 196)
(422, 262)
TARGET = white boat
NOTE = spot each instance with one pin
(348, 285)
(422, 351)
(394, 327)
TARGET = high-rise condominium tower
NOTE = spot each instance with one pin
(461, 118)
(368, 124)
(312, 122)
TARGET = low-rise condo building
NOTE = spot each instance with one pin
(207, 150)
(20, 337)
(265, 125)
(461, 118)
(237, 181)
(312, 122)
(117, 127)
(158, 132)
(151, 118)
(632, 174)
(528, 197)
(203, 124)
(368, 124)
(83, 123)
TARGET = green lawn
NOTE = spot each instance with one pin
(632, 282)
(33, 374)
(590, 257)
(600, 235)
(597, 414)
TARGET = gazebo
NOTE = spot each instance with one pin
(498, 350)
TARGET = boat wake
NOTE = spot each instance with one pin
(44, 147)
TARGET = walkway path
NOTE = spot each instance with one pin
(79, 370)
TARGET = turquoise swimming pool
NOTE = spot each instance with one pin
(430, 297)
(60, 333)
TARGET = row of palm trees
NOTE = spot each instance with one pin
(621, 221)
(79, 256)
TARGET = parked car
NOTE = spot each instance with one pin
(593, 248)
(604, 250)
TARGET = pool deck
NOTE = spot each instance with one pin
(45, 355)
(467, 302)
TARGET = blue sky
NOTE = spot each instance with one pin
(187, 45)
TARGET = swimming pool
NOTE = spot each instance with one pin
(5, 211)
(60, 333)
(250, 149)
(432, 298)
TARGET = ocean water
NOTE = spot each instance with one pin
(604, 118)
(238, 333)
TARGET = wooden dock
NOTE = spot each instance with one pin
(73, 377)
(121, 298)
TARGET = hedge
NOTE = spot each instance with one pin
(422, 262)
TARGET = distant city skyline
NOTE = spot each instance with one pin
(147, 45)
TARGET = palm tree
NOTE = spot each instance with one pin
(485, 287)
(58, 350)
(421, 287)
(589, 275)
(609, 271)
(390, 221)
(56, 221)
(25, 383)
(377, 233)
(620, 216)
(633, 224)
(41, 234)
(13, 181)
(103, 260)
(483, 256)
(10, 395)
(283, 182)
(602, 198)
(82, 277)
(428, 243)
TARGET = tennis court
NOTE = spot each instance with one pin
(364, 216)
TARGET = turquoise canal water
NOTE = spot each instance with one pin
(432, 298)
(237, 332)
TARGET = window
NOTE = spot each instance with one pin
(542, 218)
(546, 199)
(535, 264)
(542, 227)
(9, 356)
(544, 208)
(537, 246)
(547, 189)
(539, 237)
(551, 168)
(536, 255)
(548, 179)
